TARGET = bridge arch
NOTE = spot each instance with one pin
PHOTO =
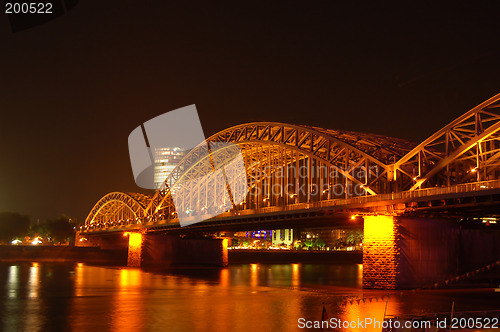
(117, 208)
(273, 143)
(465, 150)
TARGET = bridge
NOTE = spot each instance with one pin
(303, 175)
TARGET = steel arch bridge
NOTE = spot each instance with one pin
(119, 208)
(290, 164)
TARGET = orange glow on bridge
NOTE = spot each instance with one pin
(134, 249)
(135, 240)
(380, 252)
(379, 228)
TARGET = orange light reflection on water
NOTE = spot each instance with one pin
(371, 313)
(268, 297)
(224, 278)
(254, 277)
(295, 275)
(127, 311)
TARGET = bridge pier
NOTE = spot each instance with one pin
(409, 252)
(135, 246)
(380, 252)
(403, 252)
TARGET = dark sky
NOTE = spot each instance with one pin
(72, 90)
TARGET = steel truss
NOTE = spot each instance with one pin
(289, 164)
(466, 150)
(117, 208)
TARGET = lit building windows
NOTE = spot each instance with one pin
(166, 159)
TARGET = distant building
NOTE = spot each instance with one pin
(282, 236)
(166, 159)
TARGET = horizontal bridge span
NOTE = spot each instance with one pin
(289, 167)
(295, 214)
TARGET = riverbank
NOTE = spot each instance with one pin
(239, 256)
(10, 253)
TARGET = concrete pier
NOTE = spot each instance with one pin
(135, 246)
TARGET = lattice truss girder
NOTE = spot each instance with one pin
(274, 155)
(344, 151)
(275, 173)
(117, 207)
(204, 182)
(467, 149)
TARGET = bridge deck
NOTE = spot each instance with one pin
(342, 208)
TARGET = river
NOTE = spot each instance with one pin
(244, 297)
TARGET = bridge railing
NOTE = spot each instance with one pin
(427, 192)
(405, 195)
(460, 188)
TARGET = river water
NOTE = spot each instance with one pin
(247, 297)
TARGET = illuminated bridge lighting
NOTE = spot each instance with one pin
(296, 168)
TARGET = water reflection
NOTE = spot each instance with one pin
(12, 286)
(254, 277)
(374, 311)
(127, 308)
(33, 306)
(295, 275)
(10, 308)
(77, 297)
(34, 280)
(224, 278)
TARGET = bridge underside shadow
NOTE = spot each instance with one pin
(303, 219)
(161, 250)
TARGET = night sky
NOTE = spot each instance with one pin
(72, 90)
